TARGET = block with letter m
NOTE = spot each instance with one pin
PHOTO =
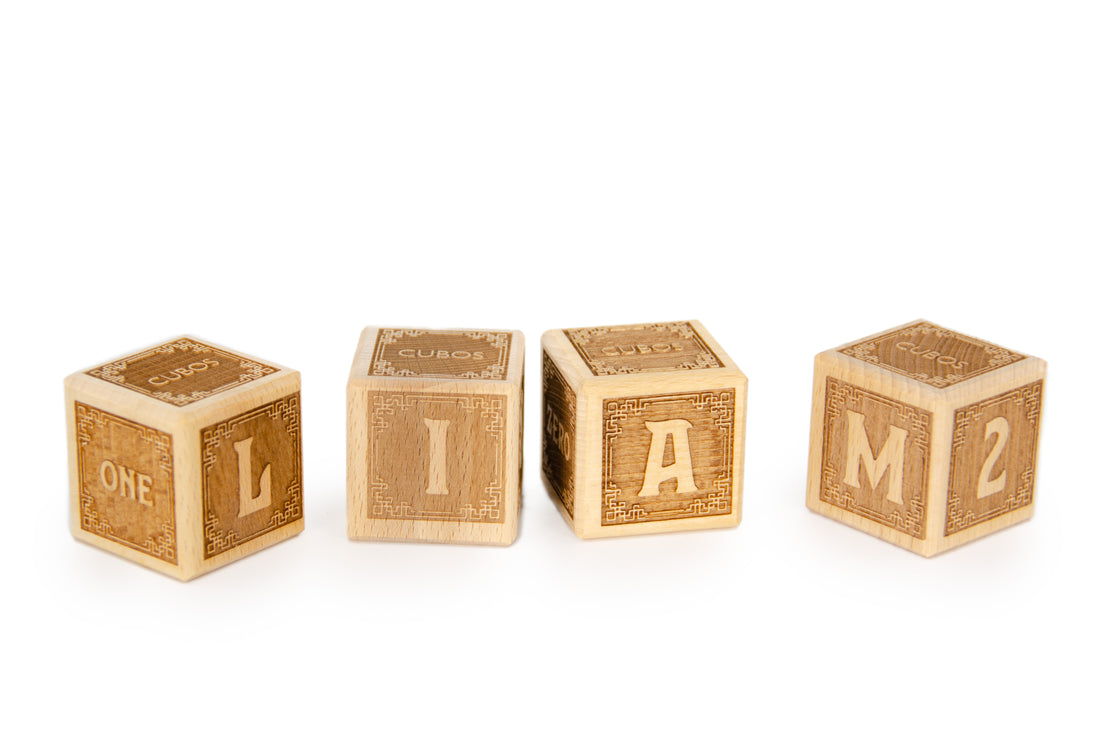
(925, 437)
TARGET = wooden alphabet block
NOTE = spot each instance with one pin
(643, 428)
(184, 456)
(925, 437)
(435, 437)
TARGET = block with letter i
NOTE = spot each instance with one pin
(185, 456)
(435, 436)
(643, 428)
(925, 437)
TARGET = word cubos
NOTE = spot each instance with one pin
(925, 437)
(185, 456)
(434, 436)
(643, 428)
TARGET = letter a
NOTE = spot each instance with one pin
(437, 456)
(998, 427)
(248, 504)
(680, 469)
(891, 456)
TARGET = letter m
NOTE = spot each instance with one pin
(891, 458)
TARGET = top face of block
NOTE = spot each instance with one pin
(182, 371)
(638, 348)
(931, 354)
(441, 354)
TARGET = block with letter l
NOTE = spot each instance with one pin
(643, 428)
(185, 456)
(434, 443)
(925, 437)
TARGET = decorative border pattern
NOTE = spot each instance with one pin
(498, 370)
(218, 539)
(115, 372)
(491, 410)
(88, 418)
(559, 469)
(581, 338)
(715, 502)
(999, 356)
(838, 397)
(1030, 399)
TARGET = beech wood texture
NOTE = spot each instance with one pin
(643, 428)
(184, 456)
(925, 437)
(435, 436)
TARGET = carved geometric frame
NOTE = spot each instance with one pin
(580, 338)
(89, 419)
(218, 539)
(1030, 398)
(498, 370)
(491, 409)
(838, 397)
(114, 371)
(999, 356)
(715, 501)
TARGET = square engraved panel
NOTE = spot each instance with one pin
(436, 456)
(643, 348)
(875, 457)
(932, 354)
(667, 457)
(559, 427)
(181, 372)
(251, 474)
(126, 482)
(993, 449)
(463, 355)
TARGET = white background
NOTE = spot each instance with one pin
(274, 176)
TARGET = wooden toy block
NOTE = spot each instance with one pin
(643, 428)
(925, 437)
(435, 436)
(184, 456)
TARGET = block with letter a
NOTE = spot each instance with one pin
(925, 437)
(185, 456)
(434, 436)
(643, 428)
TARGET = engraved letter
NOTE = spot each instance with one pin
(248, 503)
(105, 468)
(144, 487)
(891, 456)
(126, 486)
(437, 456)
(679, 469)
(998, 427)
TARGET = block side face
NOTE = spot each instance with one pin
(875, 457)
(719, 352)
(124, 484)
(669, 457)
(643, 348)
(931, 354)
(559, 432)
(182, 371)
(434, 465)
(444, 354)
(251, 475)
(994, 452)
